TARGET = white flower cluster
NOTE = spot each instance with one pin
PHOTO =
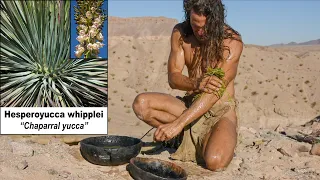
(90, 36)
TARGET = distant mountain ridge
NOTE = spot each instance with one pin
(140, 26)
(312, 42)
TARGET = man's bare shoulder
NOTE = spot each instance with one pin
(178, 28)
(234, 42)
(177, 37)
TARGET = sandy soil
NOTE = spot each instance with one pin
(276, 87)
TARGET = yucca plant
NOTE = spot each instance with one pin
(35, 67)
(90, 18)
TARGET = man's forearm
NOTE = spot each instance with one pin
(197, 109)
(181, 82)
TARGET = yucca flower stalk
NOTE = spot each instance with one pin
(35, 67)
(90, 17)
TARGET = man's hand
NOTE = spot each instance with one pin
(209, 84)
(168, 131)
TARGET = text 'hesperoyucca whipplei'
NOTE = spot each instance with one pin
(90, 17)
(35, 67)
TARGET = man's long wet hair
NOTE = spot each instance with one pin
(216, 29)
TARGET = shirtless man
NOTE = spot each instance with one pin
(203, 40)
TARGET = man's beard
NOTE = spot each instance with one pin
(203, 39)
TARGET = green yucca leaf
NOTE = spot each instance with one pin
(35, 67)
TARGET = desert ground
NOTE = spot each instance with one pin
(276, 88)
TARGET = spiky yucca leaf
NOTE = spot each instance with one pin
(35, 67)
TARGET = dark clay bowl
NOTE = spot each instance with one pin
(110, 150)
(155, 169)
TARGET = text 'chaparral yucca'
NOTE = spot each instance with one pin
(35, 67)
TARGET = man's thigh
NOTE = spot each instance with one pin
(162, 102)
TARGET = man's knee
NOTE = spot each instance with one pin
(141, 106)
(215, 162)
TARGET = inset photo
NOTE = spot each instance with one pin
(89, 29)
(36, 69)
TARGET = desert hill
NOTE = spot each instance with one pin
(312, 42)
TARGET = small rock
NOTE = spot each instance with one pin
(315, 150)
(21, 149)
(312, 164)
(71, 140)
(52, 172)
(22, 165)
(277, 169)
(64, 174)
(40, 140)
(80, 176)
(303, 148)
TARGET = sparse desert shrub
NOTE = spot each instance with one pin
(276, 96)
(112, 104)
(127, 56)
(115, 91)
(251, 65)
(265, 93)
(165, 63)
(307, 82)
(300, 64)
(245, 87)
(114, 52)
(280, 58)
(145, 89)
(301, 90)
(313, 104)
(122, 99)
(146, 77)
(133, 47)
(129, 62)
(151, 61)
(254, 93)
